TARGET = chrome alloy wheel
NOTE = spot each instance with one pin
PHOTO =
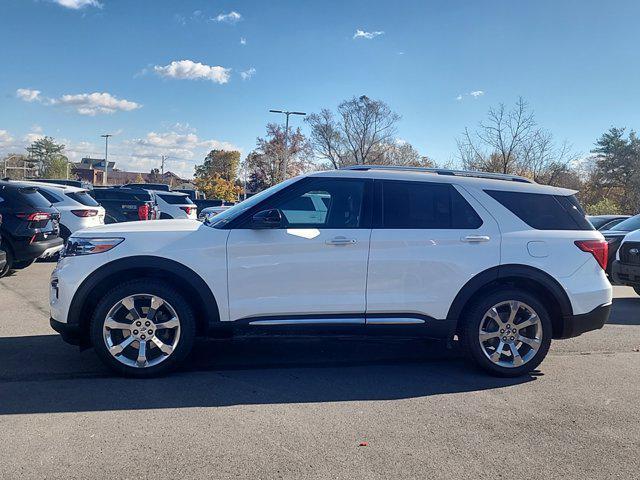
(141, 330)
(510, 334)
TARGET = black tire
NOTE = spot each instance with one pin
(6, 270)
(475, 315)
(23, 264)
(151, 287)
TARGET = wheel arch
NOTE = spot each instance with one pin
(521, 276)
(194, 289)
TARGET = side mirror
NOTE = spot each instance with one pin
(266, 219)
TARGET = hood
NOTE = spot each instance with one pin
(633, 236)
(144, 226)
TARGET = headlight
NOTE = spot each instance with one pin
(88, 246)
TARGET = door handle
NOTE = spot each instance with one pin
(341, 241)
(476, 238)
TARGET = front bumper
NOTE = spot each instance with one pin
(625, 274)
(69, 333)
(574, 325)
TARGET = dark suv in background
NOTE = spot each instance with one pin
(124, 204)
(29, 228)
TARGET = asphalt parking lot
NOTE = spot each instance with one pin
(267, 408)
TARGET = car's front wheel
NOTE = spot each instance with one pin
(507, 332)
(143, 328)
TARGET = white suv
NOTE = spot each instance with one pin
(78, 210)
(503, 264)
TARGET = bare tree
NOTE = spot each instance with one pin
(264, 165)
(364, 130)
(510, 141)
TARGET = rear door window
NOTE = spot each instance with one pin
(425, 205)
(544, 212)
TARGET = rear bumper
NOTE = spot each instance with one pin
(575, 325)
(28, 251)
(625, 274)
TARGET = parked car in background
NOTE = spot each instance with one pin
(149, 186)
(29, 226)
(206, 203)
(3, 254)
(615, 234)
(193, 194)
(626, 267)
(124, 204)
(503, 263)
(207, 214)
(78, 209)
(605, 222)
(174, 205)
(70, 183)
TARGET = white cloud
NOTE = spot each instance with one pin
(231, 17)
(5, 139)
(181, 144)
(474, 94)
(243, 41)
(96, 103)
(84, 103)
(78, 4)
(28, 95)
(247, 74)
(190, 70)
(367, 35)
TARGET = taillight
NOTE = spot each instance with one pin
(187, 209)
(34, 217)
(143, 212)
(598, 248)
(85, 213)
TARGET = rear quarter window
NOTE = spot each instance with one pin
(544, 212)
(33, 198)
(84, 198)
(175, 199)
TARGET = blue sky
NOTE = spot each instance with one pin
(131, 67)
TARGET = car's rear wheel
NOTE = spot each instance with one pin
(4, 271)
(23, 264)
(507, 333)
(143, 328)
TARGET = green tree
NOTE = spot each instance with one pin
(44, 150)
(616, 172)
(222, 162)
(606, 206)
(57, 167)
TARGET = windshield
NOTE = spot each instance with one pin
(223, 218)
(628, 225)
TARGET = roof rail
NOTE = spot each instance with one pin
(443, 171)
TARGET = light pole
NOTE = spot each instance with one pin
(106, 160)
(286, 138)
